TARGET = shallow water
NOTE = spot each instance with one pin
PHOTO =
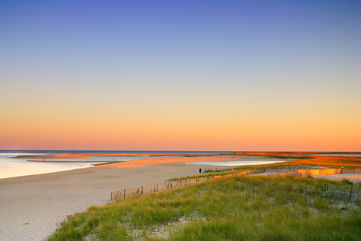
(241, 162)
(14, 167)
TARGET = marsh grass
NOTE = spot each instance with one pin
(235, 208)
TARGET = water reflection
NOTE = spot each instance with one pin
(14, 167)
(239, 163)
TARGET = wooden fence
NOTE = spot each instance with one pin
(346, 193)
(350, 170)
(130, 192)
(134, 191)
(294, 170)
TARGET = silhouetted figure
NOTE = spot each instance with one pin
(200, 170)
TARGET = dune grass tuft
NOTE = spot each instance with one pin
(235, 208)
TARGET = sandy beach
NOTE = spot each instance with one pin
(33, 206)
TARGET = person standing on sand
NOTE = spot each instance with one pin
(200, 170)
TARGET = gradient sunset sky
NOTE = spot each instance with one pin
(180, 75)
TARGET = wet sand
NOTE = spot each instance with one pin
(33, 206)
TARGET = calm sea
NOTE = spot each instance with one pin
(14, 167)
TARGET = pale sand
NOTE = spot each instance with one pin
(32, 206)
(147, 161)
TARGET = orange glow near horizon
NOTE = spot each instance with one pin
(178, 131)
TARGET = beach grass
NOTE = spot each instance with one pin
(231, 208)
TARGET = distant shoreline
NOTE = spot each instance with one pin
(29, 199)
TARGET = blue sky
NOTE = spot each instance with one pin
(272, 56)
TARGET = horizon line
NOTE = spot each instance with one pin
(137, 150)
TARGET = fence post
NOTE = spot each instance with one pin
(351, 193)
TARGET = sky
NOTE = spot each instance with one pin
(180, 75)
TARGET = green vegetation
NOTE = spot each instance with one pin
(234, 208)
(220, 173)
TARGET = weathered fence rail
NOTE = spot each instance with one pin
(346, 193)
(294, 170)
(130, 192)
(350, 170)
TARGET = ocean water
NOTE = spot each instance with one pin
(241, 162)
(14, 167)
(259, 160)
